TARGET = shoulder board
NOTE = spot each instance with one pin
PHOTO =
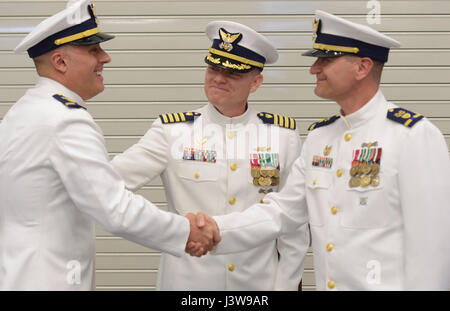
(323, 122)
(67, 101)
(403, 116)
(178, 117)
(277, 119)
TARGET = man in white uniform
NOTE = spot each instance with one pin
(56, 180)
(220, 159)
(374, 178)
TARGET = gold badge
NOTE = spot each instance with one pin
(93, 12)
(227, 39)
(315, 29)
(327, 150)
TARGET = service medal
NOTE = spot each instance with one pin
(264, 172)
(354, 170)
(375, 181)
(277, 173)
(365, 169)
(365, 181)
(255, 171)
(375, 169)
(265, 181)
(354, 182)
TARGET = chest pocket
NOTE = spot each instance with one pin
(197, 188)
(198, 172)
(318, 183)
(371, 207)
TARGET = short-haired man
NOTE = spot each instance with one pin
(220, 159)
(56, 179)
(374, 178)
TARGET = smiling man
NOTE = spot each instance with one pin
(223, 158)
(56, 179)
(372, 180)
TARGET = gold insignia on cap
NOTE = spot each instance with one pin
(228, 39)
(315, 28)
(212, 59)
(235, 66)
(93, 12)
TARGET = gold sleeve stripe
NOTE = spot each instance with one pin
(165, 118)
(170, 117)
(183, 118)
(177, 118)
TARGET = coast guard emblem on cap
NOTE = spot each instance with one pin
(316, 29)
(403, 116)
(93, 13)
(239, 48)
(67, 101)
(228, 39)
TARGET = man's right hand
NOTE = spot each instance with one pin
(204, 234)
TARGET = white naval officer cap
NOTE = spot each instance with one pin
(237, 47)
(76, 24)
(334, 36)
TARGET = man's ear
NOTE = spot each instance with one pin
(258, 80)
(364, 68)
(59, 60)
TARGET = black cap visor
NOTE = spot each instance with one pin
(324, 53)
(94, 39)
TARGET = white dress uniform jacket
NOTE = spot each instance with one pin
(216, 189)
(56, 180)
(390, 236)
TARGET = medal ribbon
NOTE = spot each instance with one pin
(378, 158)
(368, 155)
(355, 156)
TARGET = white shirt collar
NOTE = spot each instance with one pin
(215, 116)
(366, 112)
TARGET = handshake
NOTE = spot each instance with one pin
(204, 235)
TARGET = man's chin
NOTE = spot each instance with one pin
(321, 93)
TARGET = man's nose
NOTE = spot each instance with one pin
(105, 58)
(315, 68)
(220, 77)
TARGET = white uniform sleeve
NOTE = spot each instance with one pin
(424, 185)
(292, 247)
(282, 212)
(79, 156)
(145, 160)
